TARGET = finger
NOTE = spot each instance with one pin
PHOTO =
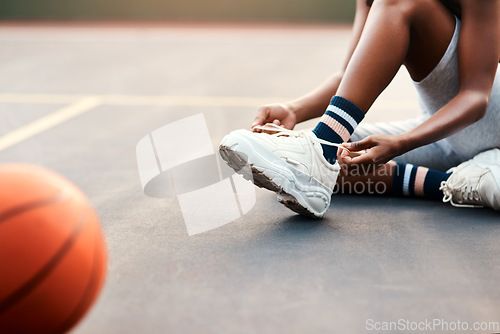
(360, 145)
(262, 116)
(341, 154)
(342, 164)
(271, 129)
(277, 122)
(346, 156)
(363, 159)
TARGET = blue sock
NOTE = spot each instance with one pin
(337, 125)
(410, 180)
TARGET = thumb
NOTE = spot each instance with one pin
(359, 145)
(262, 116)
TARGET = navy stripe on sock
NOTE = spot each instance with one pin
(432, 183)
(324, 131)
(348, 107)
(397, 179)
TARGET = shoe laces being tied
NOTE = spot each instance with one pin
(459, 191)
(281, 131)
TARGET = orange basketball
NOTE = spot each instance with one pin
(52, 252)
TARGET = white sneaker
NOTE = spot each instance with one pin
(475, 183)
(290, 163)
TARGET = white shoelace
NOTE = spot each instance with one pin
(466, 193)
(281, 131)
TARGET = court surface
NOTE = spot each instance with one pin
(77, 99)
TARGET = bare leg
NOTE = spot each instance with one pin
(359, 182)
(397, 32)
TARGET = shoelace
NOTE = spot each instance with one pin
(281, 131)
(467, 193)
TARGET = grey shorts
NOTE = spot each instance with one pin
(435, 91)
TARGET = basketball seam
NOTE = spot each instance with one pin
(87, 295)
(31, 206)
(36, 279)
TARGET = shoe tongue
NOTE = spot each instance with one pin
(317, 149)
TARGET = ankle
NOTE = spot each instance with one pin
(337, 124)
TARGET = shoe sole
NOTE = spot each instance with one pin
(286, 186)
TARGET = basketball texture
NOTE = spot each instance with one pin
(52, 252)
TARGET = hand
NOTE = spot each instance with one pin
(372, 152)
(278, 113)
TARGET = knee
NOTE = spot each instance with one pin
(406, 8)
(392, 4)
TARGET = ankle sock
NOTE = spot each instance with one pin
(337, 125)
(410, 180)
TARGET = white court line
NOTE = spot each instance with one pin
(169, 100)
(82, 103)
(49, 121)
(40, 98)
(146, 100)
(189, 101)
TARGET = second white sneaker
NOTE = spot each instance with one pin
(476, 182)
(290, 163)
